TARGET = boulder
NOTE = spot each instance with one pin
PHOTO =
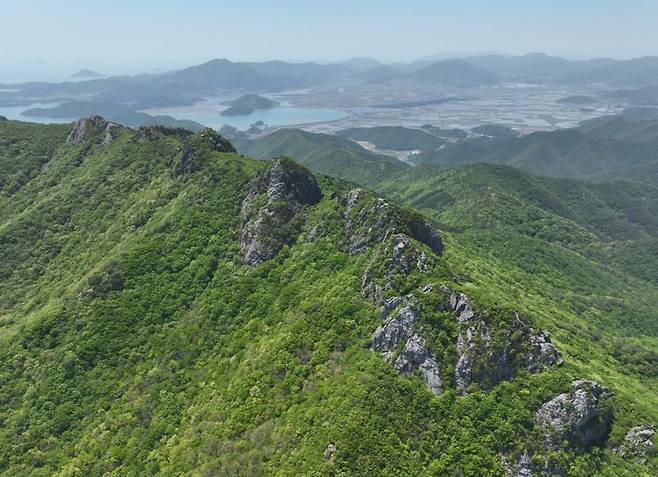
(637, 443)
(330, 451)
(578, 418)
(543, 353)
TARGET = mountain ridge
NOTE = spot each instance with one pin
(137, 326)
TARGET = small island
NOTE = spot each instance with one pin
(248, 104)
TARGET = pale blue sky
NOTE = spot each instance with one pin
(53, 38)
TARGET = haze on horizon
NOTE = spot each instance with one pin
(50, 40)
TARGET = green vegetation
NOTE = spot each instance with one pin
(606, 149)
(135, 341)
(557, 243)
(326, 154)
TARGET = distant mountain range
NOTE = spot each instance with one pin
(221, 75)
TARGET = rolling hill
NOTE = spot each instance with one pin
(606, 148)
(455, 72)
(326, 154)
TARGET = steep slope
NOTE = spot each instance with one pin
(326, 154)
(170, 307)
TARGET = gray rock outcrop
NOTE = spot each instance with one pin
(415, 356)
(215, 141)
(330, 451)
(542, 353)
(519, 467)
(400, 257)
(395, 329)
(2, 118)
(487, 361)
(370, 220)
(285, 188)
(400, 316)
(637, 444)
(577, 417)
(195, 151)
(84, 127)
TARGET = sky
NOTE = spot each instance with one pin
(51, 39)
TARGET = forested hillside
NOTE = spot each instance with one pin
(169, 307)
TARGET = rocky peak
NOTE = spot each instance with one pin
(285, 188)
(2, 118)
(196, 149)
(215, 141)
(371, 220)
(577, 417)
(84, 127)
(287, 180)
